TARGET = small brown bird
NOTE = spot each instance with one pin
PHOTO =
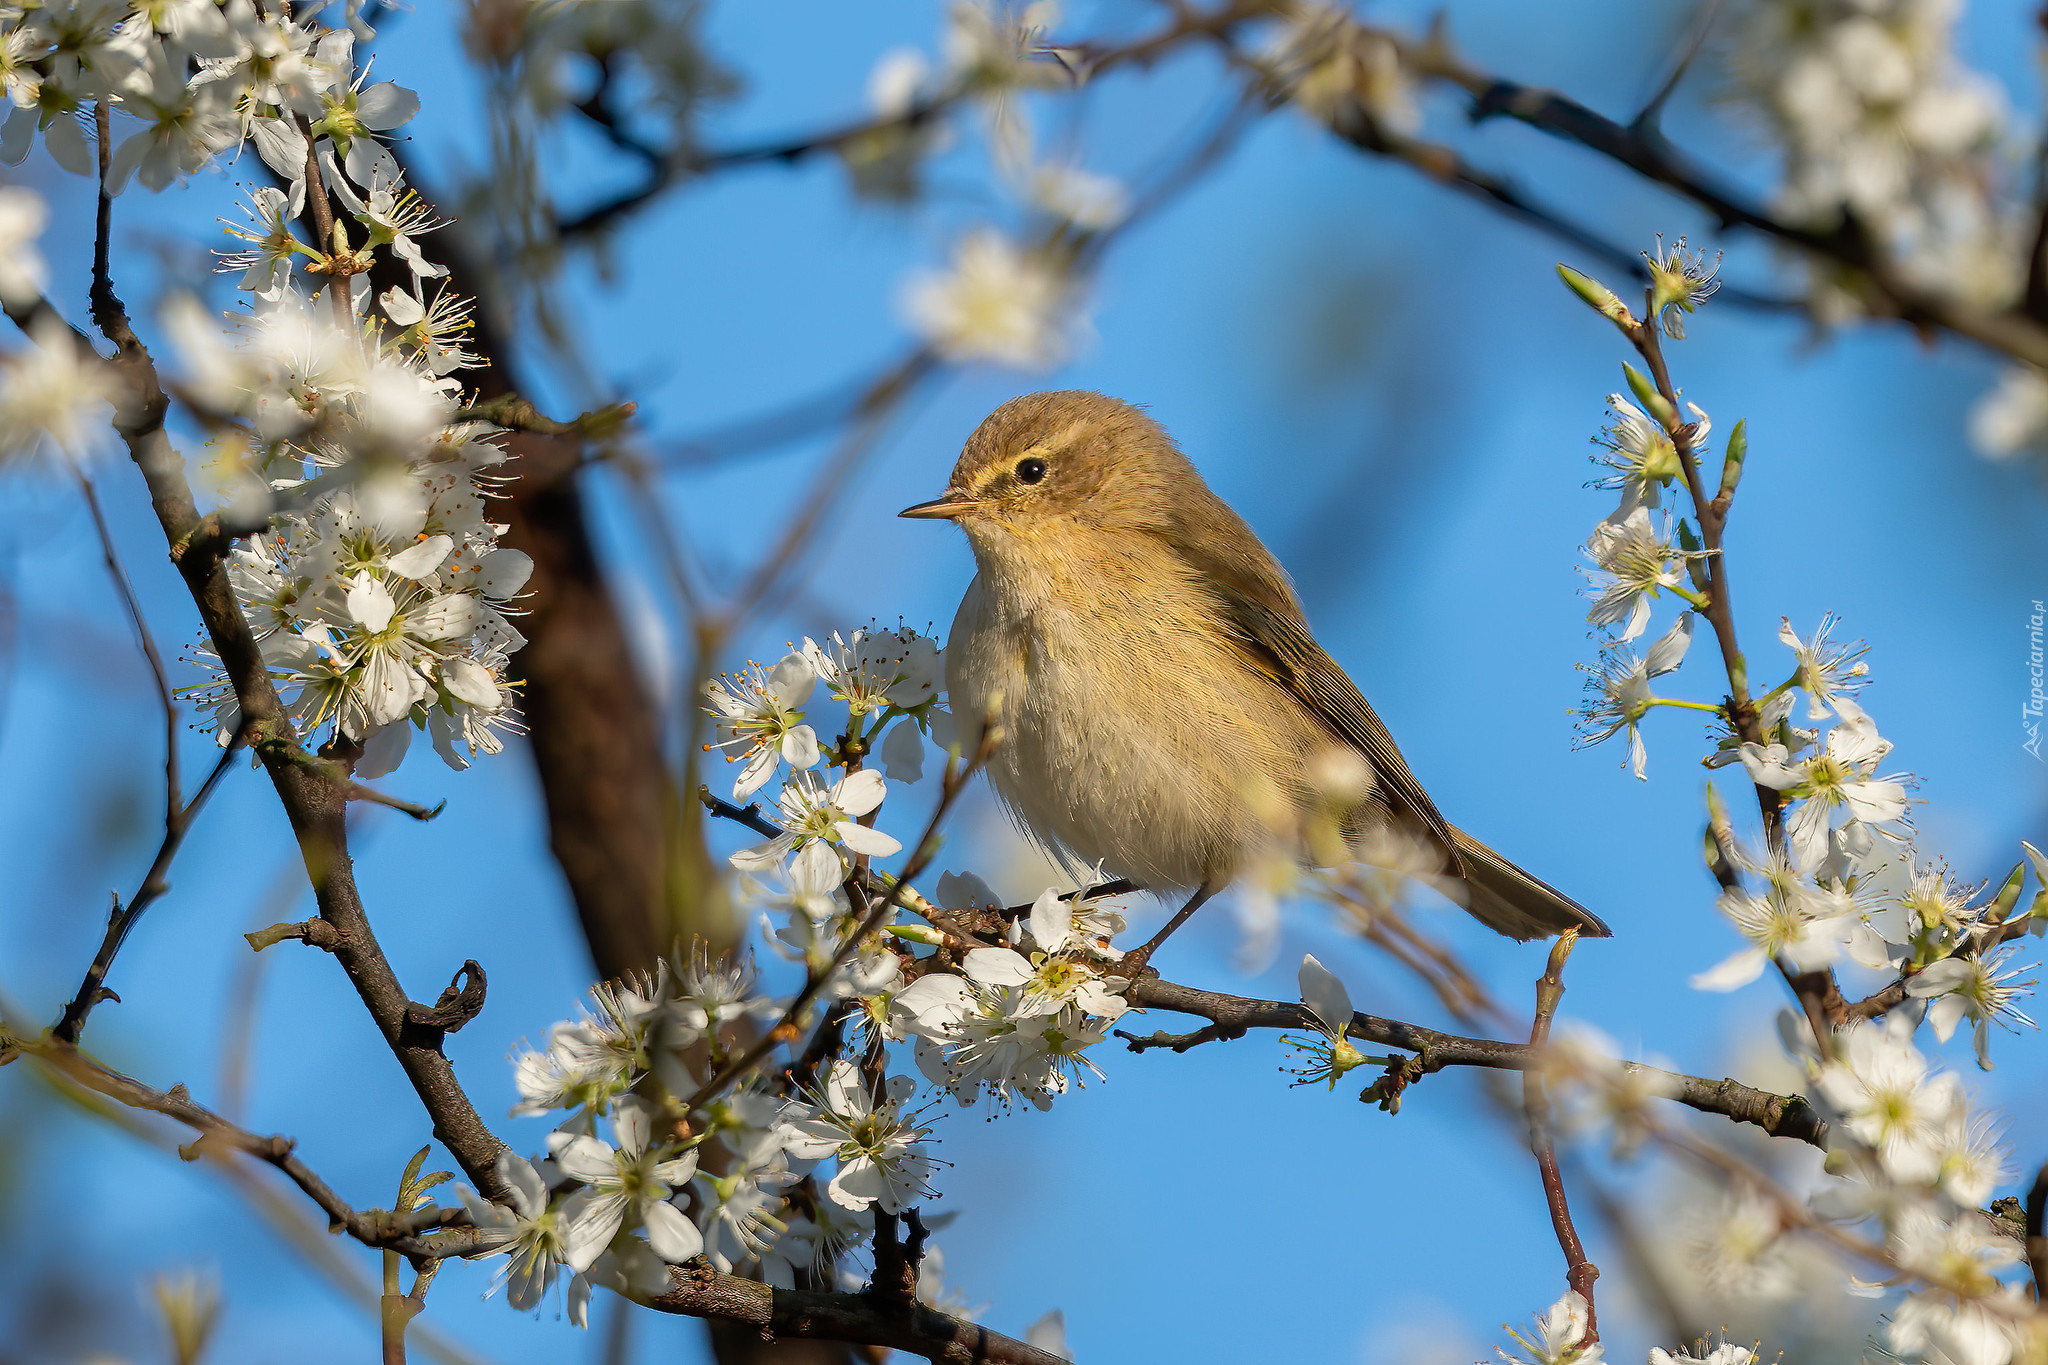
(1160, 696)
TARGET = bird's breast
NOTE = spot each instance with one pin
(1135, 734)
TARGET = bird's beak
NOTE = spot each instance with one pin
(951, 507)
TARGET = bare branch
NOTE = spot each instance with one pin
(1789, 1116)
(1579, 1271)
(379, 1228)
(511, 411)
(177, 824)
(863, 1318)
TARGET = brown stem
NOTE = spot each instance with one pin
(92, 990)
(1231, 1016)
(2037, 1234)
(174, 789)
(1579, 1271)
(401, 1232)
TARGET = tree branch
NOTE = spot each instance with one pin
(1789, 1116)
(1579, 1271)
(863, 1318)
(1642, 148)
(313, 791)
(400, 1232)
(174, 788)
(177, 824)
(515, 413)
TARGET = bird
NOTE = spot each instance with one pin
(1160, 697)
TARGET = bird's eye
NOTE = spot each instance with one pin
(1030, 469)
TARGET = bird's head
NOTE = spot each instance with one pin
(1062, 461)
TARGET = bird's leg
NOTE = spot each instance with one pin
(1133, 962)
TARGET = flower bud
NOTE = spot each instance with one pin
(2008, 896)
(1646, 393)
(1731, 464)
(1597, 296)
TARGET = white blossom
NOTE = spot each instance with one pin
(1632, 561)
(999, 302)
(758, 719)
(807, 810)
(879, 1148)
(1879, 1083)
(631, 1179)
(1977, 987)
(525, 1230)
(1618, 692)
(1559, 1338)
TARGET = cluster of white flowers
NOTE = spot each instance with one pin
(1918, 1161)
(375, 583)
(1019, 1020)
(1841, 880)
(733, 1183)
(798, 1165)
(1561, 1332)
(1879, 119)
(1333, 68)
(1008, 298)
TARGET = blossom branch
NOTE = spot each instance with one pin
(314, 792)
(1232, 1016)
(1579, 1271)
(927, 847)
(1818, 993)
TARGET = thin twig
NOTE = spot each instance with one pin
(358, 792)
(174, 788)
(121, 921)
(401, 1232)
(1579, 1272)
(511, 411)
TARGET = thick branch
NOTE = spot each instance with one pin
(1232, 1016)
(862, 1318)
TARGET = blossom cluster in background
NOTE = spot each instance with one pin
(374, 581)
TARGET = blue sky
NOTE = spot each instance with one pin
(1391, 387)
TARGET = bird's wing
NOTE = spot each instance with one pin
(1279, 645)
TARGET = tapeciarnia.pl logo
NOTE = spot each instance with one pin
(2030, 714)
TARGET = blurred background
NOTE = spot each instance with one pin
(1383, 378)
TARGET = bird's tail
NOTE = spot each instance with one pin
(1509, 901)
